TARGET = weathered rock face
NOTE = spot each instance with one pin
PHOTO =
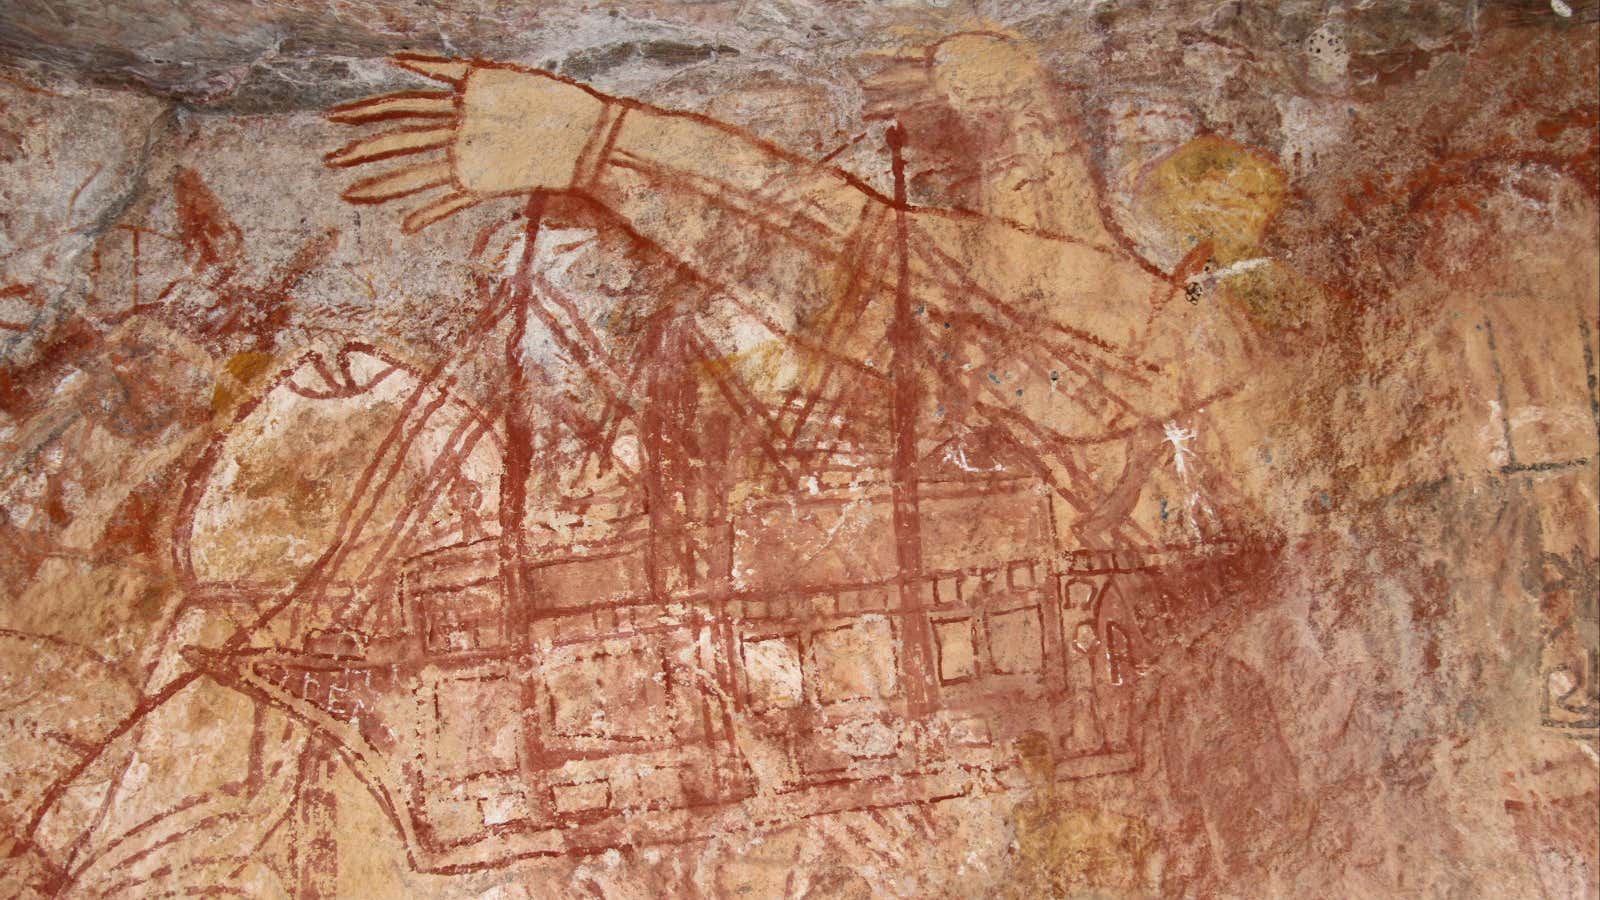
(785, 449)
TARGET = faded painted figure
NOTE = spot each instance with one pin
(863, 346)
(896, 482)
(780, 233)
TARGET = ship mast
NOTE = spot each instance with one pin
(517, 455)
(917, 673)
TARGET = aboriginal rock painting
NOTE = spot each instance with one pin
(710, 451)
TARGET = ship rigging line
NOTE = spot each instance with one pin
(315, 577)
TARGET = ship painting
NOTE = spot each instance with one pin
(771, 597)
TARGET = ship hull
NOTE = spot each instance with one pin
(652, 724)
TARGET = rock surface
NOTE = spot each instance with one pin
(1000, 449)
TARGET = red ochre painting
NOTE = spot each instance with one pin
(777, 448)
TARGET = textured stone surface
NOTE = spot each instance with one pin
(1253, 426)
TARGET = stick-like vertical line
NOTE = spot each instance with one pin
(1500, 395)
(135, 279)
(517, 456)
(918, 663)
(1592, 375)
